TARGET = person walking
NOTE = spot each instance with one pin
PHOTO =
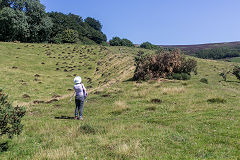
(80, 95)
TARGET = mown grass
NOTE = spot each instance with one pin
(122, 118)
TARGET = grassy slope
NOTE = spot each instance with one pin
(120, 121)
(236, 59)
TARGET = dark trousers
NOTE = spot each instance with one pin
(79, 106)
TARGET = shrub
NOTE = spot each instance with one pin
(166, 64)
(204, 80)
(236, 72)
(185, 76)
(70, 36)
(10, 117)
(216, 100)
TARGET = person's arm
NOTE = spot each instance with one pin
(84, 89)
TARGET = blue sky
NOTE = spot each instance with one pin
(160, 21)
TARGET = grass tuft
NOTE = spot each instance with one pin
(216, 100)
(87, 129)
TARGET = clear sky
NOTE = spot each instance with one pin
(160, 21)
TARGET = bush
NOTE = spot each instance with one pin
(167, 64)
(236, 72)
(180, 76)
(204, 80)
(116, 41)
(10, 117)
(70, 36)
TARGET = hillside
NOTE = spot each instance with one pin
(123, 119)
(190, 49)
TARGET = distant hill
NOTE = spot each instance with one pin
(191, 49)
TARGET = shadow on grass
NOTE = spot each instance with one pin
(128, 80)
(3, 147)
(64, 117)
(233, 81)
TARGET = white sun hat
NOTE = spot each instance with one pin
(77, 79)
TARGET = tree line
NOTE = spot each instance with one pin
(218, 53)
(27, 21)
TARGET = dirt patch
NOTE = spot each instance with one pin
(89, 80)
(25, 96)
(97, 92)
(106, 95)
(24, 84)
(14, 67)
(37, 101)
(52, 100)
(156, 100)
(57, 105)
(56, 96)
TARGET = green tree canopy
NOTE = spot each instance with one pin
(126, 42)
(14, 25)
(93, 23)
(147, 45)
(115, 41)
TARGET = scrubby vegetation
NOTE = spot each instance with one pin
(10, 117)
(10, 120)
(164, 64)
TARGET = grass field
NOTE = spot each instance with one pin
(236, 59)
(123, 119)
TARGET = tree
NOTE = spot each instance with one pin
(29, 16)
(14, 25)
(93, 23)
(126, 42)
(147, 45)
(4, 3)
(115, 41)
(85, 30)
(40, 24)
